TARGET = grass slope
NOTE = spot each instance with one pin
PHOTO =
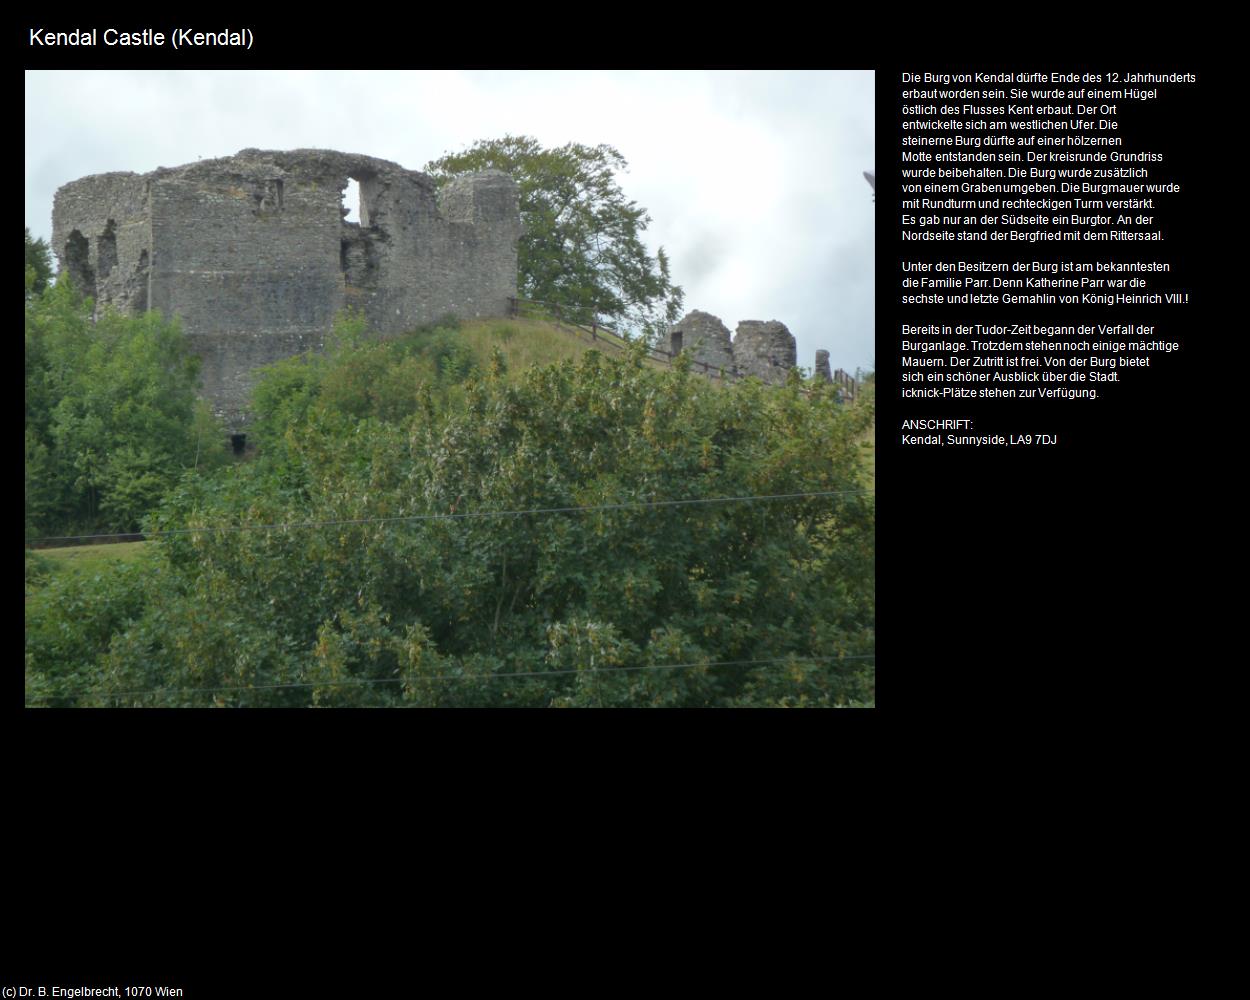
(85, 558)
(76, 561)
(527, 342)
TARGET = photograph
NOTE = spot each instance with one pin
(450, 389)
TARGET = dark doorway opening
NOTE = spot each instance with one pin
(238, 442)
(78, 263)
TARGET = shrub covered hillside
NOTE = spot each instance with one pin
(423, 527)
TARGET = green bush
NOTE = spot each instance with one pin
(112, 418)
(70, 623)
(593, 608)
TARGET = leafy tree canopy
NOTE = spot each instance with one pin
(582, 247)
(352, 596)
(38, 265)
(112, 418)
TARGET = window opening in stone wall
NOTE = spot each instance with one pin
(357, 199)
(358, 256)
(351, 201)
(78, 263)
(675, 344)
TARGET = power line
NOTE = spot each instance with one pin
(634, 505)
(472, 677)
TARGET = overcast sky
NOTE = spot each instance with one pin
(753, 179)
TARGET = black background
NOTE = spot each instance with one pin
(1025, 597)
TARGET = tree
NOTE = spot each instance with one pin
(354, 595)
(38, 265)
(582, 246)
(112, 418)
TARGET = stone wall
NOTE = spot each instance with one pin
(764, 350)
(102, 234)
(254, 254)
(706, 338)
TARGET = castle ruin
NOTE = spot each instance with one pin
(254, 254)
(765, 350)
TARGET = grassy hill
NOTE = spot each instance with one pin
(524, 342)
(76, 561)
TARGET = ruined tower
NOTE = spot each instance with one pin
(705, 337)
(765, 350)
(255, 256)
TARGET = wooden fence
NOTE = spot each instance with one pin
(847, 384)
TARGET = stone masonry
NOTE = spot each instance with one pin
(254, 254)
(763, 349)
(706, 338)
